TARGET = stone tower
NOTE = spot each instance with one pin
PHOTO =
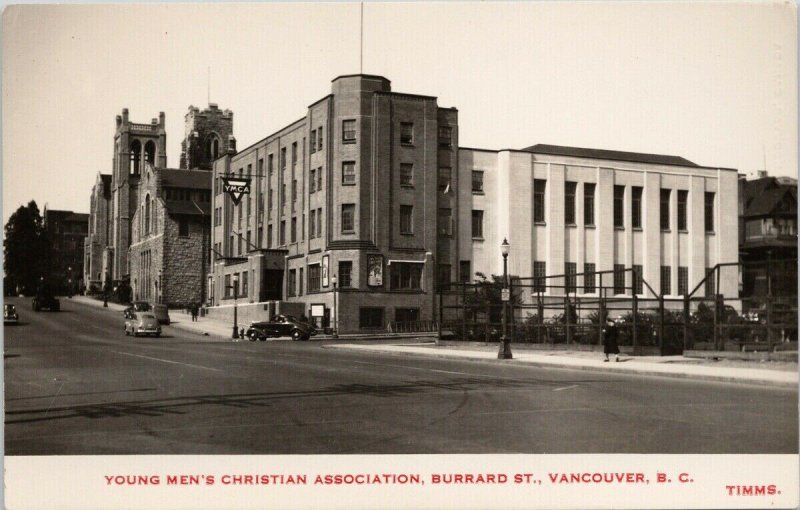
(135, 145)
(206, 136)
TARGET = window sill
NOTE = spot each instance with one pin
(407, 186)
(478, 192)
(666, 231)
(638, 229)
(683, 231)
(619, 228)
(348, 142)
(407, 144)
(348, 184)
(478, 239)
(348, 232)
(540, 223)
(571, 225)
(710, 232)
(592, 226)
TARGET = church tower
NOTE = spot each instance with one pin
(206, 137)
(135, 145)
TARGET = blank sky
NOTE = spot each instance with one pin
(714, 83)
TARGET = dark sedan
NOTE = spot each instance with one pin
(280, 325)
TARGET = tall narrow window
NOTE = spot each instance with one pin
(638, 279)
(345, 274)
(619, 206)
(406, 219)
(477, 181)
(619, 279)
(445, 174)
(294, 230)
(477, 224)
(664, 209)
(294, 190)
(709, 211)
(319, 222)
(682, 196)
(312, 224)
(348, 218)
(666, 280)
(445, 221)
(269, 236)
(349, 130)
(636, 207)
(539, 186)
(283, 158)
(588, 204)
(539, 276)
(312, 181)
(291, 284)
(319, 179)
(313, 145)
(683, 280)
(407, 132)
(294, 153)
(589, 285)
(406, 174)
(348, 173)
(445, 136)
(569, 202)
(711, 288)
(314, 279)
(319, 138)
(464, 274)
(283, 233)
(570, 280)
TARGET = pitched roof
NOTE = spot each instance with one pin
(638, 157)
(764, 196)
(185, 207)
(179, 178)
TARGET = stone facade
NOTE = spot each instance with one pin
(99, 233)
(206, 136)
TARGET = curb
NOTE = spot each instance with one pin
(590, 368)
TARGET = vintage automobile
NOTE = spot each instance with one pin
(280, 325)
(10, 315)
(142, 323)
(45, 299)
(136, 306)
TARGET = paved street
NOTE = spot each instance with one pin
(75, 384)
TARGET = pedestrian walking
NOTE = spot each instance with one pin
(610, 333)
(194, 312)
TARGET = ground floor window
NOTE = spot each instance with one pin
(406, 276)
(314, 278)
(369, 317)
(406, 314)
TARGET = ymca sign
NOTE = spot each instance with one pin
(236, 187)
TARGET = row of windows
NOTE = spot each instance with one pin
(570, 191)
(182, 194)
(402, 276)
(590, 279)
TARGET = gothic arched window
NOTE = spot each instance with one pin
(136, 157)
(150, 153)
(147, 215)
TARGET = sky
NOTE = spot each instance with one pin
(715, 83)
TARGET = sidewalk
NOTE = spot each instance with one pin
(665, 366)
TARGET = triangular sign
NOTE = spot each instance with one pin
(236, 187)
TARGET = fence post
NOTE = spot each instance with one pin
(441, 311)
(601, 320)
(717, 345)
(661, 325)
(686, 309)
(769, 321)
(567, 314)
(635, 310)
(540, 322)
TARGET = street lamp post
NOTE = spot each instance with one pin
(235, 333)
(335, 316)
(505, 345)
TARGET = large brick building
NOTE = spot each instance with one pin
(371, 186)
(67, 231)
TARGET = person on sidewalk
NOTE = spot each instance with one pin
(194, 312)
(610, 339)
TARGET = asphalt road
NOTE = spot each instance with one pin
(75, 384)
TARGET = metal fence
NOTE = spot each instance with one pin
(555, 310)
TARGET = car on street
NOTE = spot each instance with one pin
(10, 315)
(45, 301)
(136, 306)
(142, 323)
(280, 325)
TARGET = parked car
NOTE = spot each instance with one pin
(10, 315)
(136, 306)
(280, 325)
(45, 300)
(162, 314)
(142, 323)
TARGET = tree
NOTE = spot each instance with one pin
(27, 250)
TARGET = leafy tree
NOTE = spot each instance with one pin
(27, 250)
(487, 294)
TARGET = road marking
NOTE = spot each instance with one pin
(566, 388)
(609, 408)
(168, 361)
